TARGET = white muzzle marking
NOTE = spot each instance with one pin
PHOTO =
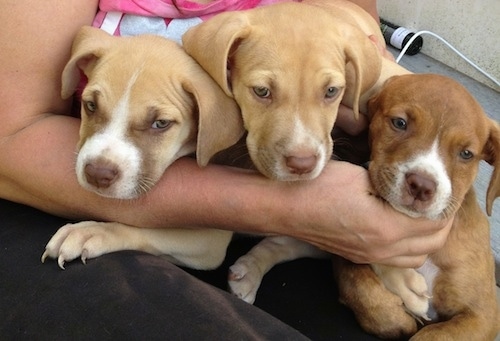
(111, 145)
(431, 164)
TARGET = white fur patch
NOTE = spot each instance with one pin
(429, 270)
(431, 164)
(111, 144)
(304, 140)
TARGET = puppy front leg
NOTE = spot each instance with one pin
(199, 249)
(377, 310)
(246, 274)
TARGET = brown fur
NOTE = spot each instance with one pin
(464, 294)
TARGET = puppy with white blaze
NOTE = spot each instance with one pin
(426, 146)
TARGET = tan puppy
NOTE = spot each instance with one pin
(289, 66)
(141, 109)
(426, 149)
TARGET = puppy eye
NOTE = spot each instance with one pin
(399, 123)
(331, 92)
(91, 106)
(466, 154)
(262, 91)
(161, 124)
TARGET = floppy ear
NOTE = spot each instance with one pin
(372, 104)
(90, 43)
(364, 65)
(211, 42)
(492, 156)
(219, 122)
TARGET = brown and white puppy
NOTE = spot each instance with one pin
(139, 110)
(426, 148)
(289, 66)
(145, 105)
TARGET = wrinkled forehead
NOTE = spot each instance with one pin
(274, 58)
(139, 73)
(445, 121)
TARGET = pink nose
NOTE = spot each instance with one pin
(420, 187)
(101, 176)
(301, 165)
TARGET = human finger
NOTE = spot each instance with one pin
(414, 250)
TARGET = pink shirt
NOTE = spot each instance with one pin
(161, 17)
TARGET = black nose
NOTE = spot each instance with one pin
(420, 187)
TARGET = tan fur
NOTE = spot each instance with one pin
(297, 51)
(464, 293)
(170, 86)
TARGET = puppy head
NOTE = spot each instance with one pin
(140, 109)
(428, 135)
(285, 65)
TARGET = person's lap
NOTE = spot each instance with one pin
(139, 296)
(124, 294)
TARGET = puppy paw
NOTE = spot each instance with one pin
(379, 311)
(244, 279)
(410, 286)
(86, 240)
(415, 294)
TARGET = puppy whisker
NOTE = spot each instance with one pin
(453, 207)
(144, 185)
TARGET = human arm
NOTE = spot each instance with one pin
(369, 6)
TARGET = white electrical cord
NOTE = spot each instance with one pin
(405, 48)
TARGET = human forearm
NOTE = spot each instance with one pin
(37, 169)
(368, 5)
(335, 211)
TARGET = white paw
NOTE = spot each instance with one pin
(415, 294)
(409, 285)
(85, 240)
(245, 278)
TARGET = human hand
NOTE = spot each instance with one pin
(341, 214)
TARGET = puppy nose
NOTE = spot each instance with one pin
(420, 187)
(100, 176)
(301, 165)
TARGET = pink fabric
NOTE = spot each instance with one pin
(166, 9)
(184, 9)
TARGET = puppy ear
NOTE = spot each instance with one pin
(219, 122)
(364, 65)
(373, 103)
(89, 44)
(211, 42)
(492, 156)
